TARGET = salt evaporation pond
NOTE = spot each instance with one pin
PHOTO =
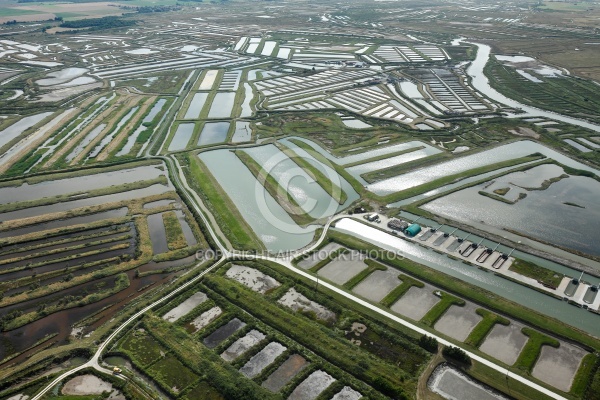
(356, 124)
(149, 118)
(376, 152)
(265, 216)
(57, 187)
(313, 199)
(542, 215)
(411, 90)
(243, 132)
(62, 76)
(86, 140)
(141, 51)
(248, 96)
(13, 131)
(209, 79)
(222, 105)
(450, 383)
(461, 164)
(182, 137)
(108, 138)
(578, 146)
(213, 132)
(516, 292)
(196, 106)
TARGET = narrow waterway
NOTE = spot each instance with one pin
(482, 84)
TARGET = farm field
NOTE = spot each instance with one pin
(238, 199)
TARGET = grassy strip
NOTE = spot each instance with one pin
(582, 381)
(278, 192)
(356, 279)
(543, 275)
(121, 282)
(74, 173)
(484, 326)
(399, 291)
(356, 185)
(474, 293)
(395, 170)
(500, 198)
(332, 256)
(388, 378)
(57, 251)
(426, 187)
(115, 230)
(333, 190)
(160, 180)
(175, 238)
(533, 348)
(230, 221)
(440, 308)
(63, 259)
(383, 156)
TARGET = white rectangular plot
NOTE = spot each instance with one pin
(268, 48)
(284, 53)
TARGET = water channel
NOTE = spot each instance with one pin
(482, 84)
(542, 303)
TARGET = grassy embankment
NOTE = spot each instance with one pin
(332, 189)
(479, 333)
(175, 237)
(358, 278)
(533, 348)
(227, 215)
(543, 275)
(382, 156)
(85, 194)
(279, 193)
(121, 282)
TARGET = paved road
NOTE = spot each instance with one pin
(285, 262)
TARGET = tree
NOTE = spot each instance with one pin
(428, 343)
(456, 354)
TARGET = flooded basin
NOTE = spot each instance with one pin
(158, 235)
(285, 373)
(222, 105)
(378, 285)
(213, 132)
(265, 216)
(262, 359)
(184, 308)
(452, 384)
(242, 345)
(206, 318)
(182, 137)
(196, 105)
(312, 386)
(505, 342)
(223, 332)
